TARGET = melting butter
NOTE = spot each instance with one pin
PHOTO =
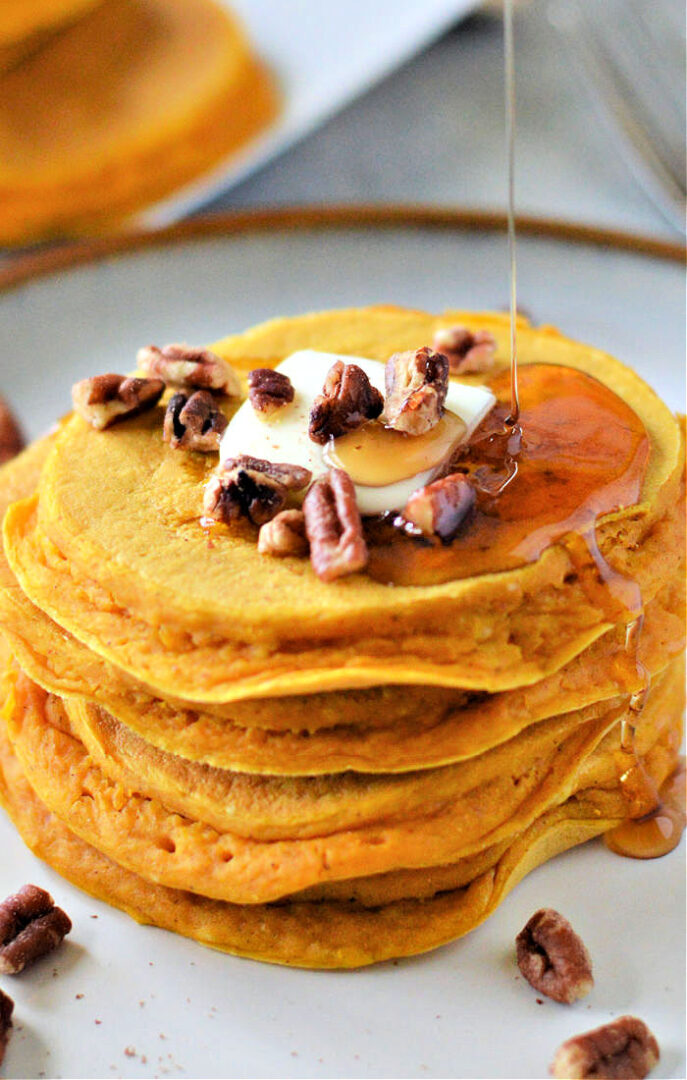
(379, 487)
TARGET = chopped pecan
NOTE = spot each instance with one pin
(467, 352)
(250, 487)
(284, 535)
(104, 399)
(625, 1049)
(194, 423)
(182, 365)
(416, 385)
(11, 438)
(439, 509)
(268, 390)
(6, 1010)
(553, 958)
(347, 400)
(333, 527)
(30, 926)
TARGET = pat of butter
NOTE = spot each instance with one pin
(284, 437)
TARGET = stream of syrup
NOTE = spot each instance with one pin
(655, 820)
(501, 445)
(509, 110)
(544, 473)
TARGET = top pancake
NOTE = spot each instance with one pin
(125, 568)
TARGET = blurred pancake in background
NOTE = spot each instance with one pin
(119, 109)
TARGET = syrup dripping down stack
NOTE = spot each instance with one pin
(332, 775)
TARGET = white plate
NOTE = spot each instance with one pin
(322, 53)
(461, 1011)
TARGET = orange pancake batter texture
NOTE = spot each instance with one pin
(119, 105)
(323, 775)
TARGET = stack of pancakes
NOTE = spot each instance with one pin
(324, 775)
(109, 105)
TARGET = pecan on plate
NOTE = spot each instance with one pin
(269, 391)
(553, 958)
(104, 399)
(468, 352)
(11, 438)
(416, 385)
(30, 926)
(333, 527)
(194, 423)
(183, 365)
(284, 535)
(440, 508)
(6, 1010)
(347, 400)
(624, 1049)
(250, 487)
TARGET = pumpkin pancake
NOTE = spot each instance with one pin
(128, 572)
(329, 934)
(120, 109)
(183, 853)
(385, 729)
(273, 807)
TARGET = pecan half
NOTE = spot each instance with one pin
(30, 926)
(183, 365)
(194, 423)
(269, 391)
(347, 400)
(11, 438)
(439, 509)
(416, 385)
(284, 535)
(553, 958)
(467, 352)
(250, 487)
(6, 1010)
(333, 527)
(104, 399)
(625, 1048)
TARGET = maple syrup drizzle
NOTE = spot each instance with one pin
(646, 808)
(620, 597)
(503, 445)
(509, 91)
(584, 454)
(659, 832)
(375, 455)
(494, 463)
